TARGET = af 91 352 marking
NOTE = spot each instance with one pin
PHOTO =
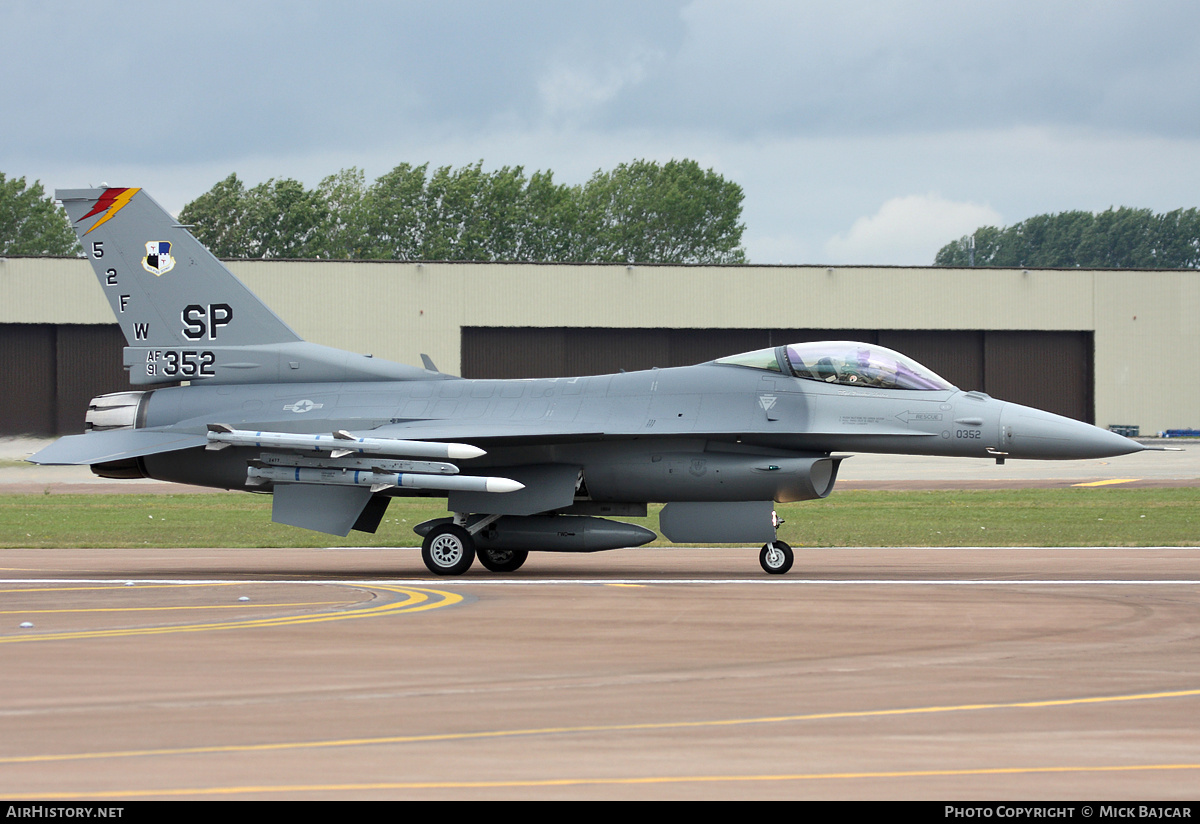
(181, 363)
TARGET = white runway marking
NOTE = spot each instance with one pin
(764, 581)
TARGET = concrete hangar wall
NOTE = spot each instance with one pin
(1112, 347)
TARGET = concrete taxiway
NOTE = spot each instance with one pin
(649, 673)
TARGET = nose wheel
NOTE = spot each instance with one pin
(776, 557)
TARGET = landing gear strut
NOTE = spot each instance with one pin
(776, 557)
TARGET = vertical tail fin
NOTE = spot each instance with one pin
(184, 315)
(165, 289)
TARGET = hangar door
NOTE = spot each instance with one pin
(49, 372)
(1048, 370)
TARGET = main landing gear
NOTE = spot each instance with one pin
(502, 560)
(449, 549)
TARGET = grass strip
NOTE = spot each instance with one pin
(1035, 517)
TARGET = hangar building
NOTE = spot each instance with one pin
(1111, 347)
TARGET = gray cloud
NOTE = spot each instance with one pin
(885, 68)
(224, 79)
(824, 113)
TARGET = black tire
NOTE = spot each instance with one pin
(776, 557)
(448, 550)
(502, 560)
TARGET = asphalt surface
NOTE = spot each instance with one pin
(639, 674)
(883, 673)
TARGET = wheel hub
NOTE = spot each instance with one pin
(446, 550)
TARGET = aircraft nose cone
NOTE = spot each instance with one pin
(1032, 433)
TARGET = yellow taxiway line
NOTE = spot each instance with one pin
(415, 600)
(600, 728)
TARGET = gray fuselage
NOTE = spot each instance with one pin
(603, 422)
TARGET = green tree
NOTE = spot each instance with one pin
(218, 218)
(959, 252)
(344, 233)
(283, 220)
(639, 212)
(395, 213)
(1122, 238)
(31, 223)
(278, 218)
(642, 212)
(1177, 239)
(552, 224)
(1119, 239)
(469, 214)
(499, 215)
(466, 218)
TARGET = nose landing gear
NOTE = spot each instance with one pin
(776, 557)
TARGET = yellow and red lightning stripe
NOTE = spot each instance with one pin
(111, 202)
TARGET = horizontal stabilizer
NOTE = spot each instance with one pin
(114, 445)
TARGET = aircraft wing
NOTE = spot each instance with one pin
(114, 445)
(118, 444)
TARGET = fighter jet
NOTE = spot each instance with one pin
(525, 465)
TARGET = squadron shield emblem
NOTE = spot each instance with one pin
(158, 260)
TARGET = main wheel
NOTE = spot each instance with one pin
(502, 560)
(448, 550)
(776, 557)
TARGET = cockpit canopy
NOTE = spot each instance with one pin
(844, 363)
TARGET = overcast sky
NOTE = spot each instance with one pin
(861, 132)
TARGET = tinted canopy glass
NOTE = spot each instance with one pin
(859, 364)
(758, 359)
